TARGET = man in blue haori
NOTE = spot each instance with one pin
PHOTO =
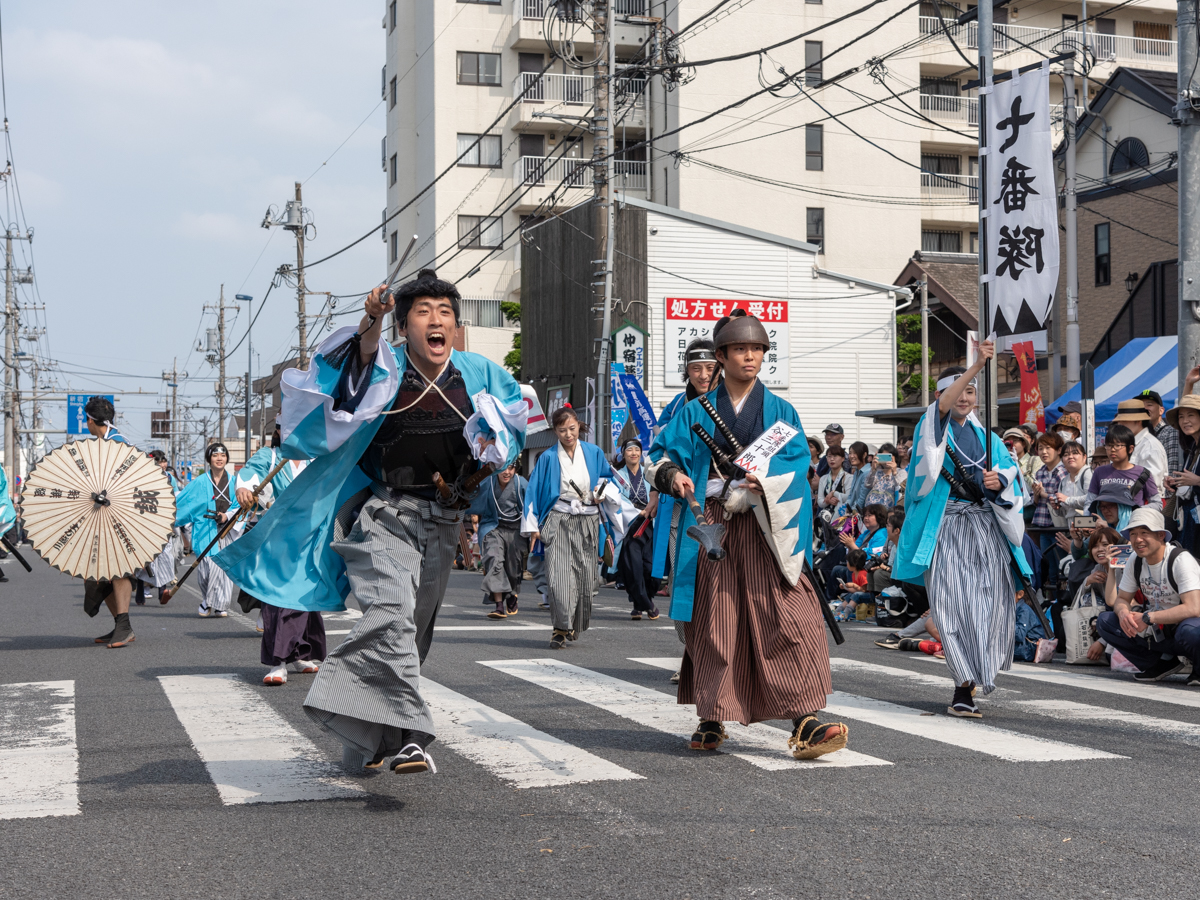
(961, 528)
(755, 635)
(389, 431)
(204, 506)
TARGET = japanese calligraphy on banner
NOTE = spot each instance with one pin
(1032, 412)
(688, 319)
(756, 457)
(629, 349)
(1022, 204)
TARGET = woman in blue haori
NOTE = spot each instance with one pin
(205, 505)
(963, 549)
(561, 508)
(386, 430)
(292, 639)
(634, 561)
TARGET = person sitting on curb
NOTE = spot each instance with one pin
(1154, 637)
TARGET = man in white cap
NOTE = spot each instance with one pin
(1154, 638)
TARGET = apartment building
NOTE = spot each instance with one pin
(871, 156)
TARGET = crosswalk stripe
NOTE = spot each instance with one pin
(1159, 693)
(39, 760)
(1085, 712)
(941, 682)
(969, 735)
(511, 749)
(760, 745)
(252, 754)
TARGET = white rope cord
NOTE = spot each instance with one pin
(428, 385)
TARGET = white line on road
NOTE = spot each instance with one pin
(252, 754)
(1085, 712)
(1156, 692)
(761, 745)
(511, 749)
(39, 761)
(941, 682)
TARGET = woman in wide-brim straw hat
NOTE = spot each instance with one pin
(1185, 418)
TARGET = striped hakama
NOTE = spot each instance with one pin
(504, 553)
(971, 595)
(755, 647)
(215, 586)
(290, 635)
(162, 567)
(398, 557)
(572, 568)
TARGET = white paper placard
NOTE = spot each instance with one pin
(756, 457)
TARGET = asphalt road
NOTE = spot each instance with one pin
(138, 779)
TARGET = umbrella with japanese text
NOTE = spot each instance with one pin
(98, 509)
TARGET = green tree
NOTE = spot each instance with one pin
(908, 355)
(512, 359)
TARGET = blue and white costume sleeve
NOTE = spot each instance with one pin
(286, 560)
(927, 494)
(666, 503)
(194, 502)
(8, 513)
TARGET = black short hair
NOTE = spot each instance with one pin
(563, 413)
(856, 558)
(1119, 434)
(879, 511)
(950, 371)
(861, 450)
(100, 409)
(158, 456)
(1072, 445)
(426, 284)
(896, 519)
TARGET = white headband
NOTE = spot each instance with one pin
(944, 383)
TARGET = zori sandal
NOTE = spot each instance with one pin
(811, 739)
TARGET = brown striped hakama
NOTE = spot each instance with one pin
(755, 647)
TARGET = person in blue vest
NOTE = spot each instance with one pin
(117, 593)
(500, 505)
(755, 638)
(292, 639)
(963, 530)
(562, 511)
(634, 562)
(393, 435)
(700, 369)
(206, 504)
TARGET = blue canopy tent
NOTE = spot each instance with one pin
(1142, 364)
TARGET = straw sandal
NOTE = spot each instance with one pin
(811, 739)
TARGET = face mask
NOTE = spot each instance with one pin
(1066, 435)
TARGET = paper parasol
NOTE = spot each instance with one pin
(98, 509)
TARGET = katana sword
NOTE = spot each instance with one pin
(13, 550)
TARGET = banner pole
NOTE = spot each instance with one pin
(985, 318)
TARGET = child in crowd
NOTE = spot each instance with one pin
(854, 591)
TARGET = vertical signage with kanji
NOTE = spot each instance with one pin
(689, 318)
(629, 349)
(1022, 208)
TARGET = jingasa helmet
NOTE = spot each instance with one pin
(740, 328)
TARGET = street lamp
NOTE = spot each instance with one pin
(1131, 281)
(247, 299)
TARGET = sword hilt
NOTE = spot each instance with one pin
(726, 431)
(727, 465)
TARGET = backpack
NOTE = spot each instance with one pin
(1172, 555)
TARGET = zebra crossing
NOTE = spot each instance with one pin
(253, 754)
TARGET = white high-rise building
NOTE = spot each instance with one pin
(870, 152)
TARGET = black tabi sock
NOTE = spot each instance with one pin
(121, 618)
(420, 738)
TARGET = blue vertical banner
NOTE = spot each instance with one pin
(618, 409)
(76, 417)
(638, 407)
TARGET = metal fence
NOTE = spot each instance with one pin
(570, 172)
(950, 187)
(482, 312)
(1107, 47)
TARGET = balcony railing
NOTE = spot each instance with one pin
(576, 90)
(482, 312)
(1107, 47)
(950, 187)
(571, 9)
(947, 108)
(628, 174)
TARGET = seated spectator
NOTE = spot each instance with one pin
(852, 583)
(881, 577)
(815, 449)
(886, 478)
(1088, 587)
(1153, 637)
(874, 531)
(1121, 471)
(834, 488)
(1072, 493)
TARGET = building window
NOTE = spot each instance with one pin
(392, 170)
(383, 152)
(814, 147)
(392, 95)
(485, 2)
(974, 241)
(812, 62)
(394, 247)
(815, 230)
(1130, 154)
(485, 154)
(941, 242)
(391, 16)
(1103, 256)
(816, 2)
(478, 68)
(480, 232)
(383, 81)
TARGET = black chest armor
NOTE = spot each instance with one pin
(426, 438)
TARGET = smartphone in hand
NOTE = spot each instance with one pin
(1119, 555)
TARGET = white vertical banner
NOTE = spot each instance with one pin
(1022, 204)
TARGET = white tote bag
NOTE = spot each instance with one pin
(1077, 627)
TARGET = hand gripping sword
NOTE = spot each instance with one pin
(726, 432)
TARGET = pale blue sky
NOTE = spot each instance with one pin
(148, 140)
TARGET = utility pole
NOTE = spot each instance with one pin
(1072, 222)
(220, 361)
(36, 438)
(605, 226)
(925, 341)
(1188, 114)
(12, 408)
(249, 301)
(985, 319)
(298, 228)
(172, 380)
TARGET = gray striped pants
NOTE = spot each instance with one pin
(162, 567)
(215, 586)
(572, 568)
(971, 595)
(398, 557)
